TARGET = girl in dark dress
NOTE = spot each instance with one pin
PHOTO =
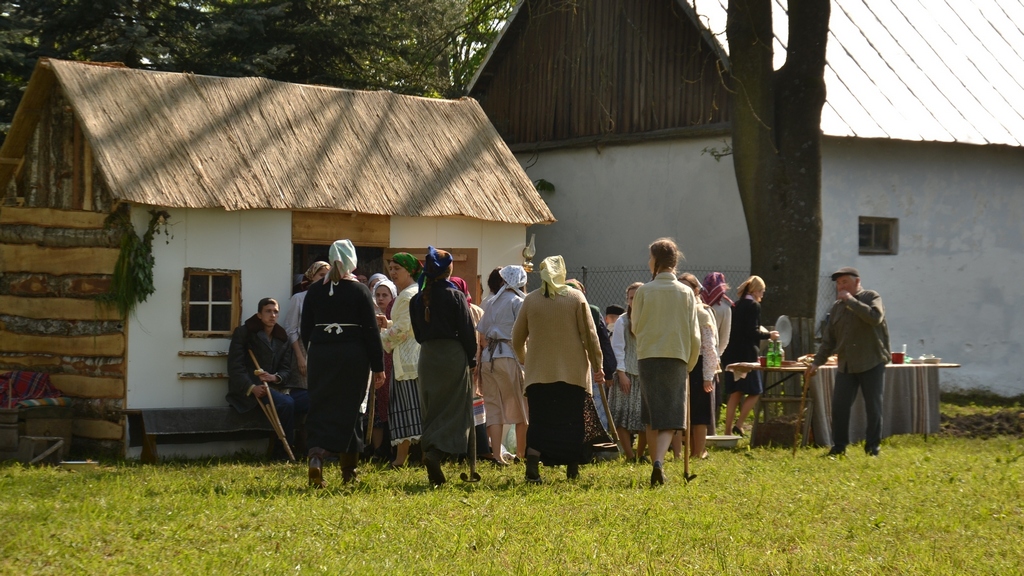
(339, 327)
(744, 344)
(443, 326)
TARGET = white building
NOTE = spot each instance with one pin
(620, 104)
(256, 178)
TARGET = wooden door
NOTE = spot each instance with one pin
(464, 265)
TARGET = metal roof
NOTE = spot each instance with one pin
(934, 70)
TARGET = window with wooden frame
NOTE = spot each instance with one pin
(211, 302)
(877, 235)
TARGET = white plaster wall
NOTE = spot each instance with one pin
(952, 288)
(611, 202)
(258, 242)
(499, 244)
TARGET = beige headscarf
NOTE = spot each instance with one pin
(552, 273)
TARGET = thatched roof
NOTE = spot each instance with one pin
(183, 140)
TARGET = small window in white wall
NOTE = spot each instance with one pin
(211, 303)
(878, 235)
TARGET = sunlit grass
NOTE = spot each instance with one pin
(935, 506)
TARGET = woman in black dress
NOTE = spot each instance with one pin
(744, 344)
(443, 326)
(339, 328)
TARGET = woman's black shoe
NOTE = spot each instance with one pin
(432, 461)
(533, 469)
(657, 476)
(737, 431)
(572, 471)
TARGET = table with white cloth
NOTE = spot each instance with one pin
(910, 402)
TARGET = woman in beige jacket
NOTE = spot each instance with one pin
(563, 348)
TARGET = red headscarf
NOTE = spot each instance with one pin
(714, 289)
(462, 286)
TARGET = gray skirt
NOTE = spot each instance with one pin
(446, 403)
(663, 388)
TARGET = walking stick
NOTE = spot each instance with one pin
(371, 404)
(611, 421)
(689, 431)
(271, 413)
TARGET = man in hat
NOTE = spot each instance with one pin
(611, 315)
(856, 331)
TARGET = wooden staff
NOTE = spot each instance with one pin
(611, 421)
(689, 431)
(271, 412)
(369, 410)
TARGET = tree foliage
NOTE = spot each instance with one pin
(421, 47)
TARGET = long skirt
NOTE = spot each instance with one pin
(446, 397)
(663, 385)
(557, 428)
(626, 408)
(338, 374)
(382, 396)
(702, 404)
(404, 411)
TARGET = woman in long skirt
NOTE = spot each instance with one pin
(667, 341)
(624, 399)
(744, 343)
(443, 326)
(384, 294)
(702, 377)
(397, 336)
(339, 328)
(563, 349)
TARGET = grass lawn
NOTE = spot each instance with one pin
(941, 506)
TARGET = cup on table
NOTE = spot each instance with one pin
(898, 358)
(763, 360)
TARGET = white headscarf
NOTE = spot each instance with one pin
(343, 256)
(391, 286)
(515, 279)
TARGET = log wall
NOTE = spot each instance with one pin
(56, 258)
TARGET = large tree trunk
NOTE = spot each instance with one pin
(776, 140)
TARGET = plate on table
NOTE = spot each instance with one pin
(932, 360)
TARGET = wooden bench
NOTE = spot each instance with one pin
(149, 427)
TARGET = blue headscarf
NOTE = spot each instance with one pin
(434, 265)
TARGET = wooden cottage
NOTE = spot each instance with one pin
(623, 106)
(250, 179)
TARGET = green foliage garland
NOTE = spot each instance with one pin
(132, 282)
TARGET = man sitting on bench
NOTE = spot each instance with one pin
(248, 382)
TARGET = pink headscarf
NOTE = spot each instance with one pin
(714, 289)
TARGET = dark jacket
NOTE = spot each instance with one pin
(274, 355)
(857, 332)
(747, 333)
(450, 318)
(605, 338)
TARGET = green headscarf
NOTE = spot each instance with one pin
(409, 262)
